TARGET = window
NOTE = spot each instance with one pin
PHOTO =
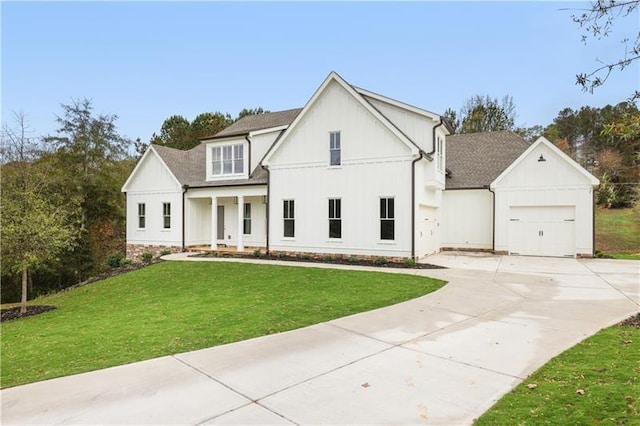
(227, 160)
(335, 218)
(142, 215)
(334, 149)
(166, 215)
(289, 218)
(246, 226)
(387, 219)
(440, 158)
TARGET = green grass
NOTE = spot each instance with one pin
(618, 233)
(174, 307)
(605, 366)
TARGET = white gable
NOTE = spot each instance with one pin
(544, 165)
(151, 174)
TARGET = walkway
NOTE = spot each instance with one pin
(443, 358)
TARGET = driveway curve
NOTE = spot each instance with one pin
(443, 358)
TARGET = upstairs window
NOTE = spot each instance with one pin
(246, 225)
(289, 218)
(335, 218)
(227, 160)
(387, 218)
(142, 215)
(334, 149)
(440, 153)
(166, 215)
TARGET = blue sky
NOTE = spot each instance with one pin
(146, 61)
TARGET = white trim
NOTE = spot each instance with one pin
(543, 141)
(401, 105)
(334, 77)
(269, 130)
(144, 157)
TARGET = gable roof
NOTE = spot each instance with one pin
(250, 123)
(334, 77)
(594, 181)
(147, 153)
(477, 159)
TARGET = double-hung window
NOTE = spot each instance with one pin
(166, 215)
(387, 219)
(246, 225)
(334, 149)
(335, 218)
(289, 218)
(227, 160)
(142, 215)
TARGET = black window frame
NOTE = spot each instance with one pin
(246, 219)
(288, 218)
(166, 215)
(142, 215)
(387, 219)
(335, 218)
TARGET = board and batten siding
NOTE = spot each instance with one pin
(154, 185)
(467, 219)
(548, 183)
(375, 164)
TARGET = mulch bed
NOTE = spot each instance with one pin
(632, 321)
(340, 261)
(14, 313)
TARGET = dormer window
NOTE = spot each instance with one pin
(227, 160)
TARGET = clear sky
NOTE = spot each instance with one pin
(147, 61)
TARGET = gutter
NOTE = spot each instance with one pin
(185, 188)
(413, 202)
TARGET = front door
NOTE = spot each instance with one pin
(221, 223)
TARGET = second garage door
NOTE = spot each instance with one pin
(542, 231)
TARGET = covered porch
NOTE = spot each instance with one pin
(226, 219)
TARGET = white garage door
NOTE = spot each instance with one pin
(542, 231)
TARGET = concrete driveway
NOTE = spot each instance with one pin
(440, 359)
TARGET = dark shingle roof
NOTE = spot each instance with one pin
(189, 167)
(477, 159)
(250, 123)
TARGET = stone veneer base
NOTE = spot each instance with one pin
(134, 251)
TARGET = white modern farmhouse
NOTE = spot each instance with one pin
(357, 173)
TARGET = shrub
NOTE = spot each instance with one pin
(409, 262)
(353, 259)
(146, 256)
(124, 261)
(281, 255)
(327, 258)
(257, 253)
(165, 252)
(114, 259)
(304, 256)
(380, 261)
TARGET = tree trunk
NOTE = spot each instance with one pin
(23, 303)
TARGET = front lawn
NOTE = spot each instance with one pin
(174, 307)
(618, 233)
(595, 382)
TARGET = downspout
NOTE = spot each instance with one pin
(184, 191)
(413, 203)
(249, 155)
(433, 137)
(493, 234)
(593, 222)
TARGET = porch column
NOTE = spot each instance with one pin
(240, 222)
(214, 223)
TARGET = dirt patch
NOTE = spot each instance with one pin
(632, 321)
(14, 313)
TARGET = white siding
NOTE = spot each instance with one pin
(427, 212)
(260, 144)
(374, 164)
(153, 185)
(467, 219)
(553, 182)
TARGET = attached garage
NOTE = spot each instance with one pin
(506, 195)
(544, 205)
